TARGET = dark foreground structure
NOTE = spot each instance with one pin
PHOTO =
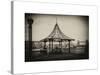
(56, 46)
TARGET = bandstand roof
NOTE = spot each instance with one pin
(57, 35)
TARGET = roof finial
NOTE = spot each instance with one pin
(56, 19)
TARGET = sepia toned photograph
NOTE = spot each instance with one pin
(53, 37)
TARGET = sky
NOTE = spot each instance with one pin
(76, 27)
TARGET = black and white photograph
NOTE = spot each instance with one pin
(56, 37)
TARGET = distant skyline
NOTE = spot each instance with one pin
(76, 27)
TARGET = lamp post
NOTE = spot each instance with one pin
(30, 22)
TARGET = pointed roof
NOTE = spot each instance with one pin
(56, 35)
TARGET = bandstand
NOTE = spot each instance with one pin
(58, 37)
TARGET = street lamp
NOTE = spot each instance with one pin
(30, 22)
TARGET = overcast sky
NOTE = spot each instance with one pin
(76, 27)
